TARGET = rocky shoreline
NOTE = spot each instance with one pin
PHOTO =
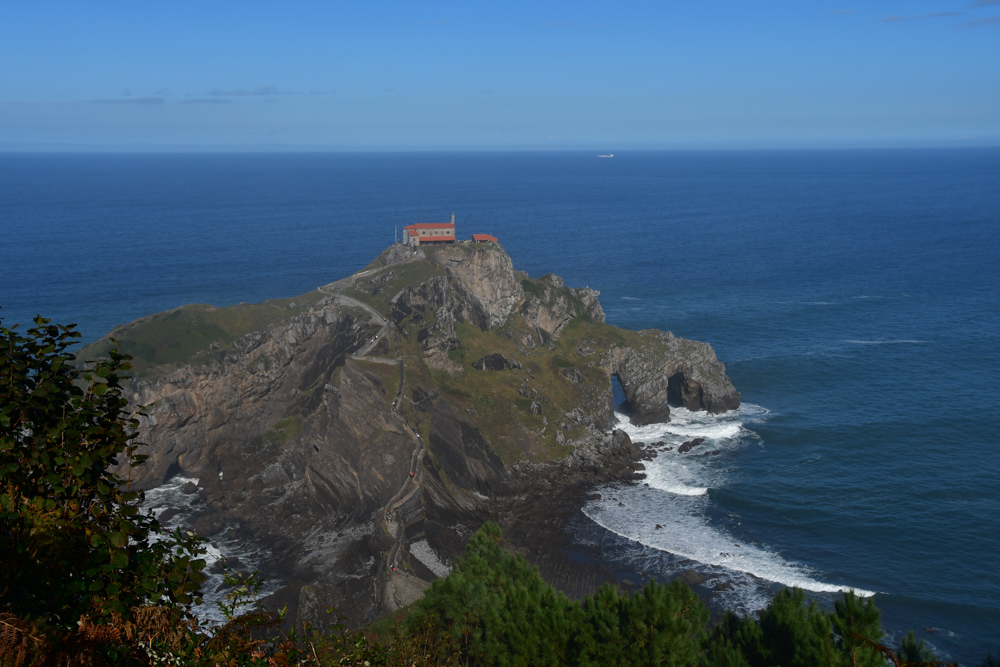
(431, 392)
(552, 497)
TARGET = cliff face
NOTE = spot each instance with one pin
(550, 306)
(485, 281)
(243, 392)
(665, 370)
(306, 421)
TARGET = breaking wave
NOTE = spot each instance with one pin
(176, 509)
(670, 511)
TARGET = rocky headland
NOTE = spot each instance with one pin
(353, 429)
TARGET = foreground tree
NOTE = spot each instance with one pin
(496, 609)
(73, 540)
(659, 625)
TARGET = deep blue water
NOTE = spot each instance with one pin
(853, 295)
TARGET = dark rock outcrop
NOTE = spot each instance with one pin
(666, 370)
(549, 305)
(689, 445)
(495, 362)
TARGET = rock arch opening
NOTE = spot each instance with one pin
(619, 400)
(684, 393)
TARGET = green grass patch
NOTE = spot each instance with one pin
(535, 288)
(388, 375)
(289, 427)
(501, 412)
(412, 273)
(187, 334)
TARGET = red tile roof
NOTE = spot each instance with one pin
(484, 237)
(430, 225)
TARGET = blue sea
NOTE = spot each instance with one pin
(854, 297)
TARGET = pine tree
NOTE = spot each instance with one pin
(856, 622)
(912, 650)
(495, 607)
(790, 633)
(660, 625)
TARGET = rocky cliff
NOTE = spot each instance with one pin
(664, 371)
(399, 407)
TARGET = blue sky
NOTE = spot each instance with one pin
(603, 76)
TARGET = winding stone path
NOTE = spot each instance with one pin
(402, 588)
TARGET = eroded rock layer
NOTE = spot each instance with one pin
(405, 404)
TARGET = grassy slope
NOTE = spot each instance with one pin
(165, 341)
(489, 400)
(379, 296)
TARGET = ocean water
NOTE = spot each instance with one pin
(854, 297)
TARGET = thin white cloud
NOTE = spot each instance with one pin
(207, 100)
(979, 23)
(938, 15)
(242, 92)
(141, 101)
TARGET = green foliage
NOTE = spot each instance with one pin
(789, 633)
(496, 609)
(559, 362)
(533, 287)
(911, 650)
(289, 427)
(856, 622)
(74, 540)
(660, 625)
(186, 334)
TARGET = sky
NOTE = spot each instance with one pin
(512, 75)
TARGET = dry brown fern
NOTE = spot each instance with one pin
(27, 644)
(20, 641)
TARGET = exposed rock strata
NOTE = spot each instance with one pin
(552, 305)
(487, 280)
(670, 371)
(300, 448)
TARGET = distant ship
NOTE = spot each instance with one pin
(608, 155)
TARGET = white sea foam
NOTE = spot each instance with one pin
(684, 531)
(685, 474)
(631, 298)
(677, 499)
(687, 425)
(171, 496)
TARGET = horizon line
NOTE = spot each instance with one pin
(301, 149)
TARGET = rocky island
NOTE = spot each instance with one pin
(362, 432)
